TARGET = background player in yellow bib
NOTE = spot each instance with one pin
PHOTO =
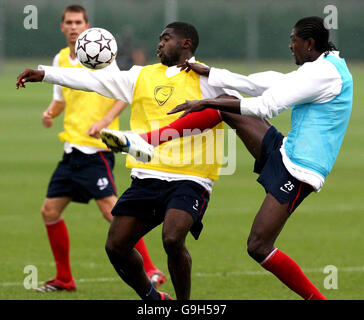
(85, 171)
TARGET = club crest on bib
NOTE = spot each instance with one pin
(162, 94)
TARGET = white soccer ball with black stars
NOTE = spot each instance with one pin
(96, 48)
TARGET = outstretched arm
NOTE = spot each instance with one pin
(317, 83)
(117, 85)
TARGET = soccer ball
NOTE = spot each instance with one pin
(96, 48)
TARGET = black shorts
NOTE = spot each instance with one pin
(83, 176)
(149, 200)
(274, 176)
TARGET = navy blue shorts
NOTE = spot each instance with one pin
(83, 176)
(274, 176)
(150, 199)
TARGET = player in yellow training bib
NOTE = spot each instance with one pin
(175, 187)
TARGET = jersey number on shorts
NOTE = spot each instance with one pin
(287, 187)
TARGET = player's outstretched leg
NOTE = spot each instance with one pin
(191, 124)
(267, 225)
(128, 142)
(142, 149)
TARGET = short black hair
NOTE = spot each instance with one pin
(186, 30)
(314, 27)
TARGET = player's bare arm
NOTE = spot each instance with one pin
(223, 104)
(197, 67)
(29, 75)
(115, 111)
(55, 108)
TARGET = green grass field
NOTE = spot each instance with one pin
(327, 229)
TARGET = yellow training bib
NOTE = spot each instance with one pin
(154, 95)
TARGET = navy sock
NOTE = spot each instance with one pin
(150, 293)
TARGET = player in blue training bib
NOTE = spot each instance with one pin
(320, 94)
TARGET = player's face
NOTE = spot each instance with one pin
(73, 25)
(298, 46)
(169, 48)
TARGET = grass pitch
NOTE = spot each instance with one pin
(327, 229)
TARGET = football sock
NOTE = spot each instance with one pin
(60, 245)
(205, 119)
(288, 271)
(150, 293)
(142, 249)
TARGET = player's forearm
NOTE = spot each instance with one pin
(253, 85)
(56, 108)
(74, 78)
(249, 107)
(258, 106)
(223, 104)
(114, 112)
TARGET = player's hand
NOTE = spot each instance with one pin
(47, 118)
(29, 75)
(197, 67)
(94, 130)
(189, 106)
